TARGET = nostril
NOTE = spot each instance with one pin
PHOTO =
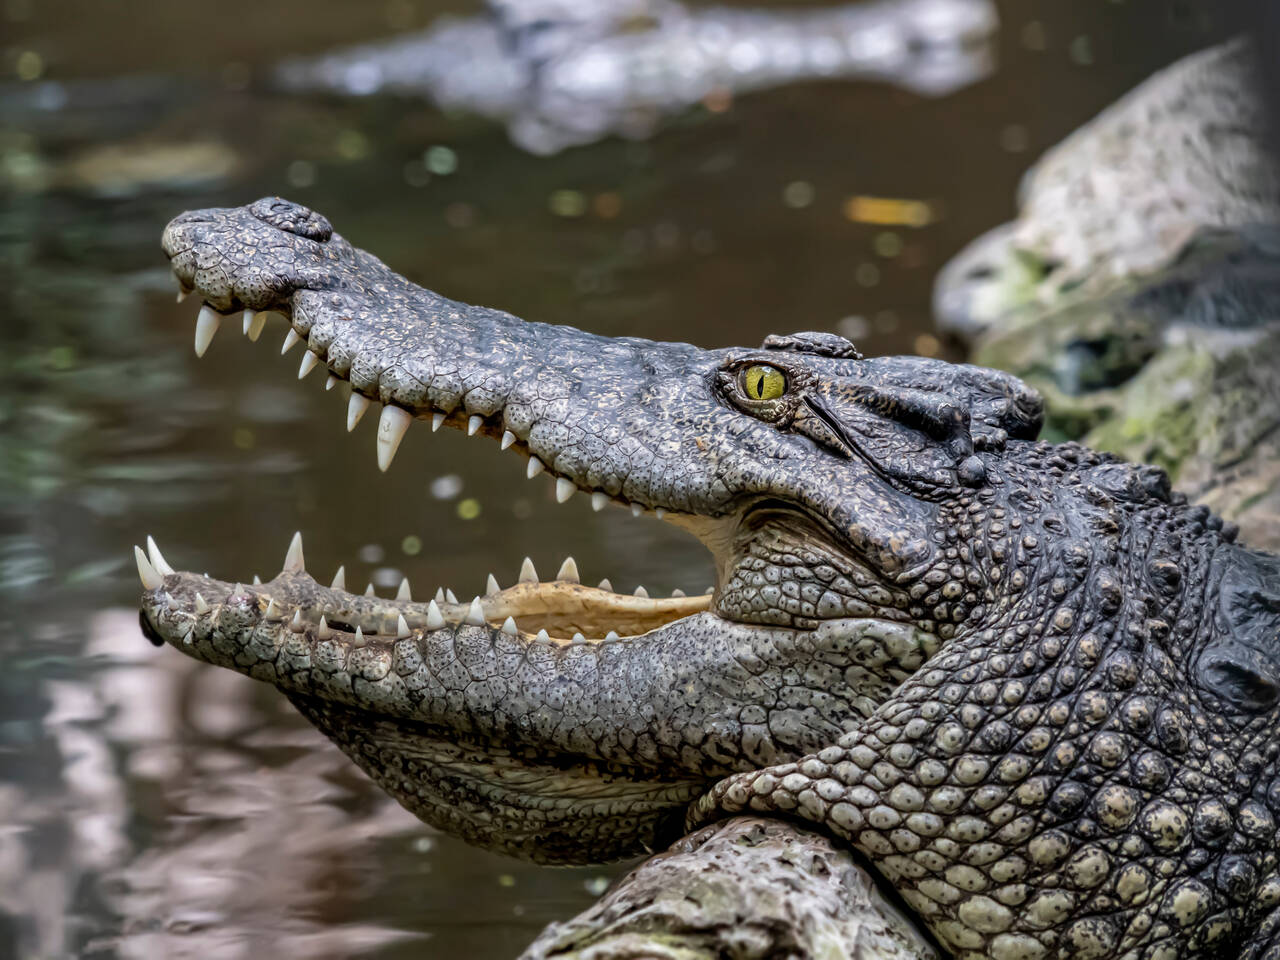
(292, 218)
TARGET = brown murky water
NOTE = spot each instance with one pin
(152, 807)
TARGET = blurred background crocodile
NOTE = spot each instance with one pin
(1038, 691)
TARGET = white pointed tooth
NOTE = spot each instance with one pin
(237, 590)
(508, 438)
(202, 605)
(527, 573)
(368, 590)
(598, 500)
(356, 407)
(273, 608)
(509, 627)
(450, 596)
(391, 429)
(641, 591)
(475, 613)
(611, 635)
(491, 586)
(323, 631)
(330, 382)
(605, 584)
(157, 559)
(473, 424)
(253, 328)
(636, 509)
(182, 295)
(402, 628)
(659, 512)
(207, 322)
(291, 340)
(257, 580)
(542, 636)
(404, 593)
(247, 321)
(189, 637)
(151, 579)
(440, 595)
(339, 579)
(709, 591)
(564, 489)
(568, 570)
(534, 468)
(358, 640)
(296, 623)
(677, 592)
(579, 638)
(435, 619)
(309, 362)
(293, 562)
(436, 420)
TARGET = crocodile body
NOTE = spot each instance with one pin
(1036, 689)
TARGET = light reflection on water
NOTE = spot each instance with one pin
(150, 806)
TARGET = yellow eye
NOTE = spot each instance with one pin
(764, 383)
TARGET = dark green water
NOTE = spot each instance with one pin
(152, 807)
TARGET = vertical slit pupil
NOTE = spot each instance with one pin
(760, 385)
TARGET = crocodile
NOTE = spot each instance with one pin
(1034, 687)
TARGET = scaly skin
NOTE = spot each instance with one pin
(1036, 689)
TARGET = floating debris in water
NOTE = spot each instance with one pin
(889, 211)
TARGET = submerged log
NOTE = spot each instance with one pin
(745, 888)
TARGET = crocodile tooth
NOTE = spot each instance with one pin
(257, 580)
(206, 326)
(569, 571)
(182, 295)
(612, 635)
(436, 420)
(358, 640)
(579, 638)
(309, 362)
(254, 321)
(598, 500)
(659, 512)
(450, 596)
(331, 382)
(677, 592)
(238, 589)
(543, 636)
(157, 558)
(605, 584)
(291, 340)
(189, 637)
(356, 407)
(435, 619)
(527, 573)
(475, 613)
(491, 586)
(509, 627)
(534, 468)
(473, 424)
(273, 609)
(293, 562)
(151, 580)
(508, 438)
(640, 591)
(564, 489)
(368, 590)
(296, 623)
(709, 591)
(339, 579)
(440, 595)
(403, 593)
(402, 628)
(391, 430)
(202, 605)
(323, 631)
(636, 509)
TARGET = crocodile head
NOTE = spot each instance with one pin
(560, 721)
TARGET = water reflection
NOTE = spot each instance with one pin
(152, 807)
